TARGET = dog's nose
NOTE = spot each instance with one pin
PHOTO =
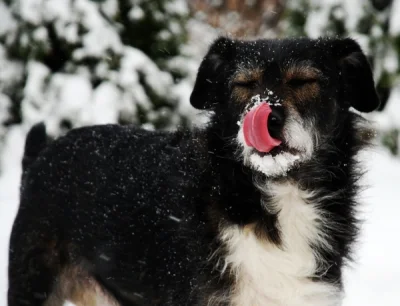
(275, 122)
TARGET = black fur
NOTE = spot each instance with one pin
(141, 210)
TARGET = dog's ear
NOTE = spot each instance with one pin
(358, 81)
(212, 73)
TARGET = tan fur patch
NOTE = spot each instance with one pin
(75, 285)
(301, 71)
(306, 92)
(249, 229)
(244, 76)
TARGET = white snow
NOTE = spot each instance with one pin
(57, 9)
(354, 12)
(173, 218)
(394, 21)
(11, 71)
(390, 61)
(6, 20)
(136, 13)
(177, 7)
(273, 166)
(317, 18)
(9, 181)
(101, 35)
(110, 7)
(348, 11)
(5, 103)
(390, 117)
(30, 10)
(103, 109)
(135, 61)
(374, 278)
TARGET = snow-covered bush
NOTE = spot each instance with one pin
(78, 62)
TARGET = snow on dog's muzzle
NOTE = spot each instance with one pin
(256, 129)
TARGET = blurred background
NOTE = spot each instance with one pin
(79, 62)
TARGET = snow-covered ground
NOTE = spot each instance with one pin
(372, 279)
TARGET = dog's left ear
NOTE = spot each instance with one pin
(212, 73)
(358, 81)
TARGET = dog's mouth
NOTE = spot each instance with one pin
(282, 148)
(259, 124)
(262, 125)
(271, 144)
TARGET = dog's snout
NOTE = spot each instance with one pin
(275, 122)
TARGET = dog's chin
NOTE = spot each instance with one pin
(277, 163)
(297, 146)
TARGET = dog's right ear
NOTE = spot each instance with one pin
(212, 73)
(359, 85)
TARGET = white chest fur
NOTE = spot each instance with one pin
(267, 275)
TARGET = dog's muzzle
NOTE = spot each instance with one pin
(262, 127)
(273, 139)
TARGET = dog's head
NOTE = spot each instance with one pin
(300, 88)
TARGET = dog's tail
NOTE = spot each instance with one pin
(35, 142)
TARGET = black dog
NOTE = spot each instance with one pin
(114, 215)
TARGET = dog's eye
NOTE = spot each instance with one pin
(245, 84)
(301, 82)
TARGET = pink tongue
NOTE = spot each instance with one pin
(255, 129)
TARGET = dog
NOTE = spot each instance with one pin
(256, 208)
